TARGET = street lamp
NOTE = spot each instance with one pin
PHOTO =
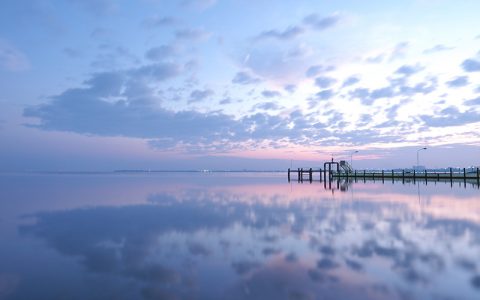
(351, 158)
(418, 151)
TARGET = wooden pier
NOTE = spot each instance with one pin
(329, 174)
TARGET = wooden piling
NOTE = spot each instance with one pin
(310, 174)
(478, 177)
(288, 174)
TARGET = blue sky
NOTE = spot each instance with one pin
(233, 84)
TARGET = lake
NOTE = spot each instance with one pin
(235, 236)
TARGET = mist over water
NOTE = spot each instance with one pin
(235, 236)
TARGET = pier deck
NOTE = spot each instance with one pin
(328, 174)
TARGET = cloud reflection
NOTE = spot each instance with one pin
(255, 244)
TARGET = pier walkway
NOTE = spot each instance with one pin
(327, 174)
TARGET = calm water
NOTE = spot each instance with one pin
(235, 236)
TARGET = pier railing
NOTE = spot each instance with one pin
(327, 174)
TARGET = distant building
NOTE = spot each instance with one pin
(419, 168)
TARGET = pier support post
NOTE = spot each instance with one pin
(298, 177)
(301, 174)
(310, 174)
(451, 178)
(478, 177)
(464, 175)
(403, 174)
(288, 174)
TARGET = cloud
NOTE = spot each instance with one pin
(458, 81)
(161, 52)
(367, 97)
(451, 116)
(376, 59)
(72, 53)
(313, 21)
(199, 95)
(194, 34)
(245, 266)
(158, 71)
(397, 52)
(408, 70)
(123, 104)
(473, 102)
(12, 59)
(327, 263)
(291, 88)
(324, 81)
(437, 48)
(471, 65)
(244, 78)
(157, 21)
(271, 94)
(287, 34)
(321, 23)
(325, 94)
(350, 81)
(300, 51)
(385, 92)
(318, 69)
(268, 106)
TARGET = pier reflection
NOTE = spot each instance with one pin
(272, 240)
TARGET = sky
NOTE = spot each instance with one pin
(98, 85)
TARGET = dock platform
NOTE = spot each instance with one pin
(325, 174)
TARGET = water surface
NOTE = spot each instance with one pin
(235, 236)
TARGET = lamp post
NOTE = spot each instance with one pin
(351, 158)
(418, 151)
